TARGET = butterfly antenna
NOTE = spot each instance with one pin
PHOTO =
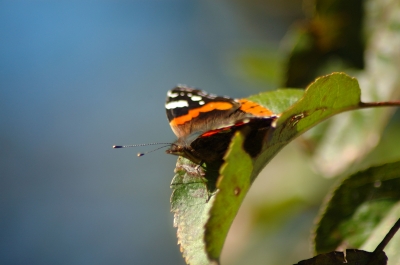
(142, 154)
(136, 145)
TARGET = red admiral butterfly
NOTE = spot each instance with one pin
(205, 123)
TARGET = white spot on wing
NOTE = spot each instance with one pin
(172, 95)
(201, 102)
(176, 104)
(196, 98)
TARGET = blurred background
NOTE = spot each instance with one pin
(79, 77)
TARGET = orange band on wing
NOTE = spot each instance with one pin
(193, 113)
(254, 108)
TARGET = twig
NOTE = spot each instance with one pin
(388, 237)
(379, 249)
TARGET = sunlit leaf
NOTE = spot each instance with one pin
(190, 203)
(327, 96)
(233, 184)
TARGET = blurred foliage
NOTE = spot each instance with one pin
(357, 207)
(332, 32)
(338, 147)
(262, 65)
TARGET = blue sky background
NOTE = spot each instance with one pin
(77, 77)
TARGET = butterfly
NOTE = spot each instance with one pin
(205, 123)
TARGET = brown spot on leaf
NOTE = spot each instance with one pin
(237, 191)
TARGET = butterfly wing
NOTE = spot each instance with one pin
(192, 112)
(205, 123)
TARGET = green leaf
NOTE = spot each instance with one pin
(327, 96)
(279, 100)
(190, 203)
(358, 207)
(233, 184)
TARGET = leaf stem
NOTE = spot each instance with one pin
(380, 104)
